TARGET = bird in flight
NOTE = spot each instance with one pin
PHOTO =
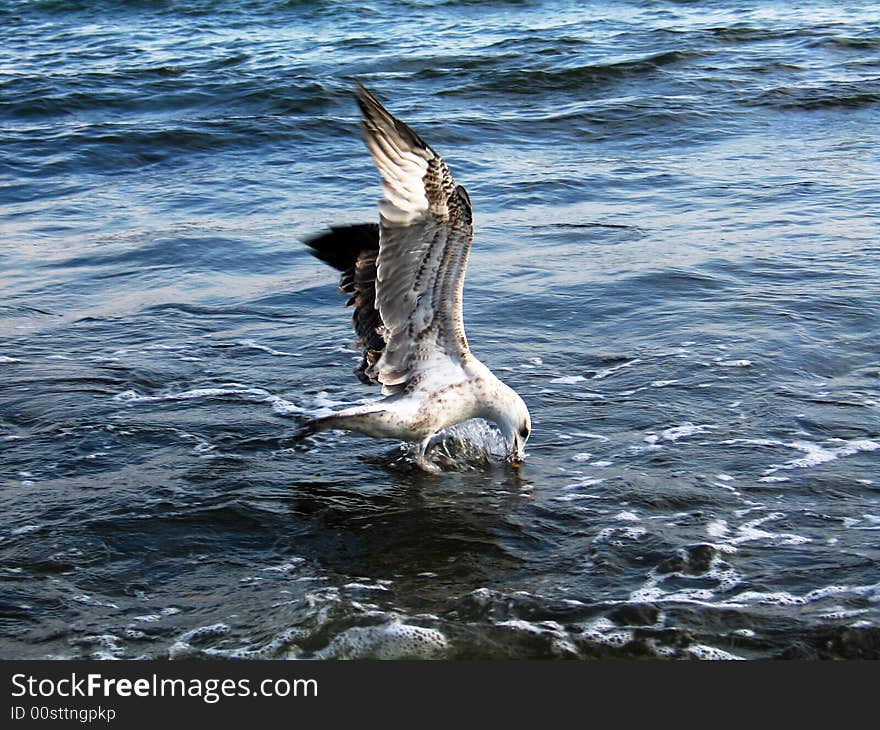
(404, 278)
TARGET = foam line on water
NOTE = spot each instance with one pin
(320, 404)
(816, 454)
(254, 345)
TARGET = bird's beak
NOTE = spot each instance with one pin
(516, 458)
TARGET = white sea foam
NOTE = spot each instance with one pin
(392, 640)
(284, 407)
(182, 648)
(602, 374)
(24, 529)
(289, 566)
(753, 442)
(568, 379)
(604, 631)
(132, 396)
(752, 530)
(585, 482)
(725, 576)
(653, 593)
(88, 600)
(573, 497)
(265, 348)
(816, 454)
(684, 430)
(596, 436)
(618, 535)
(701, 651)
(318, 405)
(785, 598)
(560, 642)
(838, 613)
(356, 586)
(532, 628)
(728, 487)
(109, 644)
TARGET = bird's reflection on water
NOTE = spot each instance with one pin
(408, 525)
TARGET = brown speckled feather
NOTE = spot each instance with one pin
(425, 236)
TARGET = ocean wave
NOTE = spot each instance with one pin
(675, 264)
(837, 95)
(531, 80)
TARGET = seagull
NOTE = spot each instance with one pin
(404, 277)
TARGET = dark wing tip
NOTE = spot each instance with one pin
(377, 118)
(341, 246)
(464, 201)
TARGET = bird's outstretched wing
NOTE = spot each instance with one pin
(425, 235)
(353, 250)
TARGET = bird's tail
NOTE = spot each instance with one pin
(363, 419)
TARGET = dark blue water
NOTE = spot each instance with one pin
(677, 264)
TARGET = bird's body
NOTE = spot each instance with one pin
(405, 278)
(426, 408)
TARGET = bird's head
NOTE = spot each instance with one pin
(515, 424)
